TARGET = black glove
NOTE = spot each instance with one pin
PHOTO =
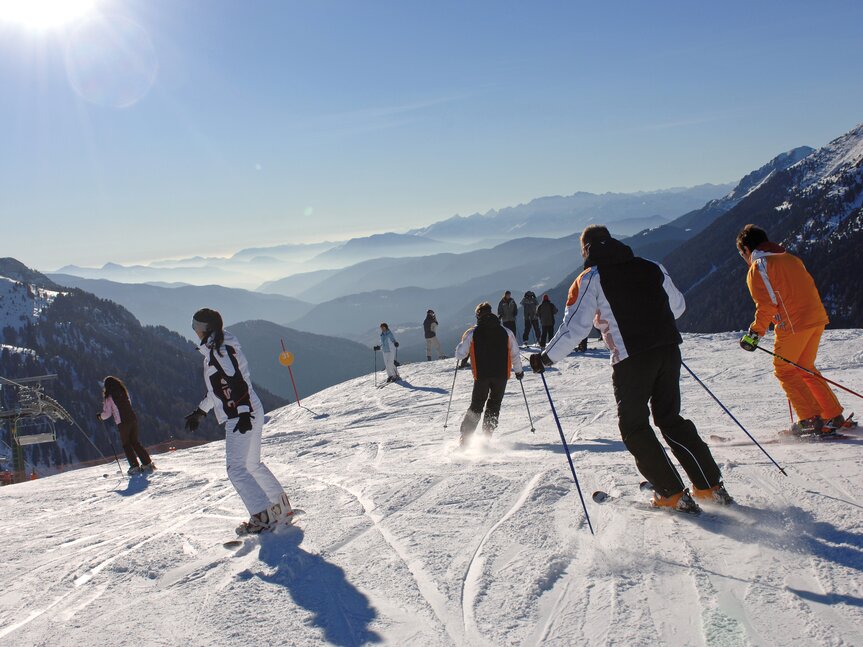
(749, 341)
(98, 415)
(244, 423)
(538, 362)
(194, 419)
(377, 347)
(396, 344)
(519, 375)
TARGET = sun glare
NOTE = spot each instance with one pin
(44, 14)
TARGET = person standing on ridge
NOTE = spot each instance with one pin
(117, 404)
(633, 303)
(231, 395)
(493, 352)
(507, 310)
(388, 347)
(430, 331)
(785, 296)
(546, 312)
(528, 309)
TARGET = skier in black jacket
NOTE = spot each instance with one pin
(493, 353)
(633, 302)
(546, 312)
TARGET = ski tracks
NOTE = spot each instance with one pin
(471, 587)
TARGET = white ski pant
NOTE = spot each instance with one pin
(252, 480)
(390, 362)
(432, 343)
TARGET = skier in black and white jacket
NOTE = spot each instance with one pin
(233, 399)
(634, 304)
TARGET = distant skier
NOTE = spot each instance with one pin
(231, 394)
(546, 312)
(388, 347)
(493, 352)
(430, 331)
(785, 296)
(507, 310)
(633, 302)
(529, 306)
(117, 404)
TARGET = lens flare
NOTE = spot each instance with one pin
(111, 61)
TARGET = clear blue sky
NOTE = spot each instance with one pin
(233, 124)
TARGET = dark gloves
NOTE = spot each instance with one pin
(396, 344)
(98, 415)
(538, 362)
(194, 419)
(749, 341)
(519, 375)
(377, 347)
(244, 423)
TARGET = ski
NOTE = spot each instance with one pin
(783, 439)
(602, 497)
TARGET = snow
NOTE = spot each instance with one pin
(21, 304)
(409, 541)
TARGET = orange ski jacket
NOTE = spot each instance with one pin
(784, 292)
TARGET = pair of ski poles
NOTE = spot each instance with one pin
(455, 373)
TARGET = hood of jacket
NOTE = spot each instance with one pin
(488, 320)
(608, 252)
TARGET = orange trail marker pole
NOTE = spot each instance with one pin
(287, 359)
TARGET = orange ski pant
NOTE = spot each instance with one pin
(809, 395)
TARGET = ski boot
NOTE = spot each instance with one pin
(836, 423)
(256, 524)
(134, 470)
(807, 426)
(681, 502)
(281, 511)
(149, 468)
(716, 494)
(582, 346)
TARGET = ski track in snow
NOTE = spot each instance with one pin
(411, 541)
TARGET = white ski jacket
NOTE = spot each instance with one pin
(229, 385)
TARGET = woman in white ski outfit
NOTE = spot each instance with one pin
(236, 405)
(388, 350)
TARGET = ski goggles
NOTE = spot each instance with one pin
(200, 326)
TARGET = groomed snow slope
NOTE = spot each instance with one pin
(409, 541)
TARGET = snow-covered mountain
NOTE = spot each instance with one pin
(659, 241)
(814, 208)
(408, 541)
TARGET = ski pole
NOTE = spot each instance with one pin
(110, 440)
(532, 428)
(450, 393)
(566, 449)
(818, 375)
(724, 408)
(375, 353)
(791, 412)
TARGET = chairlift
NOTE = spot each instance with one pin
(33, 431)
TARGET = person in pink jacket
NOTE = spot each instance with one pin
(117, 404)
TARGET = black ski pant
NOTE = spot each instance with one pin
(528, 324)
(511, 326)
(131, 446)
(487, 392)
(547, 334)
(653, 377)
